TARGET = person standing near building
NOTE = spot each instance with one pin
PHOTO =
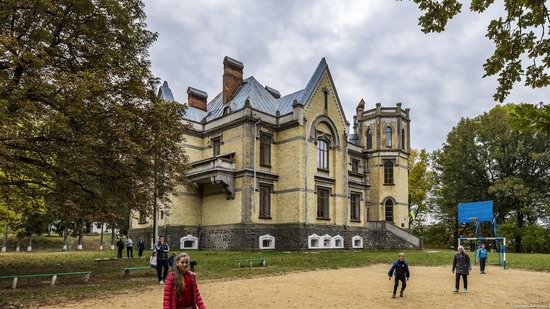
(482, 256)
(120, 247)
(140, 247)
(162, 249)
(129, 247)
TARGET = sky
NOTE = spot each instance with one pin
(374, 49)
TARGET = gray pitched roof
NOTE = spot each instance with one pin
(165, 92)
(259, 98)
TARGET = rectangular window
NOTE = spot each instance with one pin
(322, 203)
(388, 172)
(355, 165)
(216, 143)
(142, 217)
(355, 207)
(322, 155)
(265, 201)
(265, 149)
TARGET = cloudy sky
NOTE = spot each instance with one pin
(375, 50)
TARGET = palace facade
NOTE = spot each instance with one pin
(283, 172)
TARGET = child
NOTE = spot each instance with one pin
(482, 256)
(461, 263)
(181, 289)
(171, 260)
(401, 270)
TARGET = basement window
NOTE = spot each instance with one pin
(357, 242)
(267, 242)
(189, 242)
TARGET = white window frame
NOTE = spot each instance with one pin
(335, 239)
(323, 239)
(314, 237)
(267, 237)
(189, 238)
(353, 245)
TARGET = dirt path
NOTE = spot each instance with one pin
(368, 287)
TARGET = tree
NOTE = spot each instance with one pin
(76, 93)
(487, 158)
(421, 181)
(519, 35)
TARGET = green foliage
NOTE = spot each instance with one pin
(518, 35)
(80, 120)
(421, 181)
(534, 117)
(486, 158)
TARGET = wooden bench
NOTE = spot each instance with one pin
(128, 269)
(54, 276)
(251, 262)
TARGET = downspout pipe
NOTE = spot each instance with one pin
(254, 165)
(305, 171)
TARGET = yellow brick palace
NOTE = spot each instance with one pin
(283, 172)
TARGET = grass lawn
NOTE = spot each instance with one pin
(108, 276)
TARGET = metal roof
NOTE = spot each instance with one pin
(165, 92)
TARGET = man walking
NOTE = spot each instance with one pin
(140, 247)
(129, 247)
(162, 249)
(120, 247)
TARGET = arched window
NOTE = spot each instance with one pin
(403, 146)
(389, 210)
(322, 154)
(388, 172)
(388, 136)
(369, 138)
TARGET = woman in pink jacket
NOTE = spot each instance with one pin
(181, 290)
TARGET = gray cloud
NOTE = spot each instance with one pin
(375, 51)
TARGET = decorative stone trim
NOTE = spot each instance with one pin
(338, 242)
(267, 242)
(314, 242)
(357, 242)
(189, 242)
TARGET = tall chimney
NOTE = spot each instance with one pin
(232, 77)
(197, 98)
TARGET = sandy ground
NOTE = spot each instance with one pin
(368, 287)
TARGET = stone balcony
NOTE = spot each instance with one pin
(215, 170)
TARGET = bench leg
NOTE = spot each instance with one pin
(14, 284)
(126, 272)
(86, 277)
(54, 279)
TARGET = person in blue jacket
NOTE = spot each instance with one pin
(400, 269)
(482, 256)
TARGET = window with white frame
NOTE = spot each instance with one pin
(338, 242)
(189, 242)
(357, 242)
(267, 242)
(326, 241)
(314, 241)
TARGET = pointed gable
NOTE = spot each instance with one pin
(165, 92)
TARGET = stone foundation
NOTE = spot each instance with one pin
(287, 236)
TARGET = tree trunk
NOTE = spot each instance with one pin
(80, 235)
(5, 242)
(65, 237)
(518, 238)
(17, 243)
(29, 247)
(112, 237)
(101, 238)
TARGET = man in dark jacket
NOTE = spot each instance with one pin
(120, 247)
(401, 270)
(162, 249)
(461, 263)
(140, 247)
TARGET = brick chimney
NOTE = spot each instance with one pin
(232, 77)
(197, 98)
